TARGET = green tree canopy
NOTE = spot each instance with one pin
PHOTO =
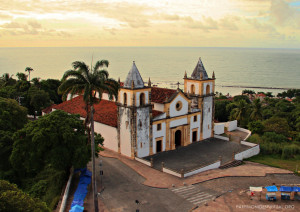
(56, 139)
(221, 114)
(277, 125)
(12, 116)
(13, 199)
(256, 127)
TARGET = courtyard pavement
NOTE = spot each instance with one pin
(196, 154)
(158, 179)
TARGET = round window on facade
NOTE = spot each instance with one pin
(178, 105)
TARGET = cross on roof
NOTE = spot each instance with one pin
(178, 84)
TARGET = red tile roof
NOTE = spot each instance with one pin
(48, 109)
(105, 111)
(158, 95)
(156, 113)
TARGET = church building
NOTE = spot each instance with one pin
(145, 119)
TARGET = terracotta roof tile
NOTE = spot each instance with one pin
(156, 113)
(158, 95)
(105, 111)
(48, 109)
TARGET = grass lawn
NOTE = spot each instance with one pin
(276, 161)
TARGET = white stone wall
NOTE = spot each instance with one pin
(219, 128)
(106, 97)
(247, 153)
(142, 132)
(205, 85)
(189, 84)
(158, 134)
(194, 125)
(178, 122)
(207, 116)
(184, 108)
(159, 107)
(125, 130)
(109, 134)
(137, 98)
(231, 125)
(202, 169)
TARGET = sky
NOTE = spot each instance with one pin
(192, 23)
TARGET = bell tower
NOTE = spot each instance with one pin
(201, 89)
(134, 111)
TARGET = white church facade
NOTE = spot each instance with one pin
(146, 120)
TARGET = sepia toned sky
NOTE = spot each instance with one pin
(207, 23)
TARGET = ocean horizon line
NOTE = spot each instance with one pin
(218, 47)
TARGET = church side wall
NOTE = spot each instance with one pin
(125, 129)
(143, 128)
(109, 134)
(207, 116)
(194, 125)
(159, 134)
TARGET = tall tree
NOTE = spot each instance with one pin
(256, 111)
(28, 69)
(89, 81)
(239, 113)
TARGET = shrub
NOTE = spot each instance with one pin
(273, 137)
(290, 151)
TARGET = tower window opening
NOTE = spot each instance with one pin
(207, 89)
(192, 89)
(142, 99)
(125, 99)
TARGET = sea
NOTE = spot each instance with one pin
(236, 69)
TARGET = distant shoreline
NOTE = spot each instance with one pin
(256, 87)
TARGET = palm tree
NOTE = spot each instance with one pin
(6, 79)
(29, 69)
(89, 81)
(256, 110)
(239, 113)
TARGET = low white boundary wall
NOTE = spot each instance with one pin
(148, 163)
(247, 153)
(169, 171)
(231, 125)
(248, 143)
(214, 165)
(221, 137)
(244, 130)
(219, 128)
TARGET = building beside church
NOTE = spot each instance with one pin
(145, 120)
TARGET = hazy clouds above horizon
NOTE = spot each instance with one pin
(236, 23)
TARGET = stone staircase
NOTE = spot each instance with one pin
(231, 164)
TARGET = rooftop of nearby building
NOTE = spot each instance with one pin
(105, 111)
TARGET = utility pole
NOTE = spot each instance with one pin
(94, 185)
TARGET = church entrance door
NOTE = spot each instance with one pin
(177, 138)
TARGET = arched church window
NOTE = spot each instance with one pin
(125, 99)
(142, 99)
(207, 89)
(192, 89)
(140, 124)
